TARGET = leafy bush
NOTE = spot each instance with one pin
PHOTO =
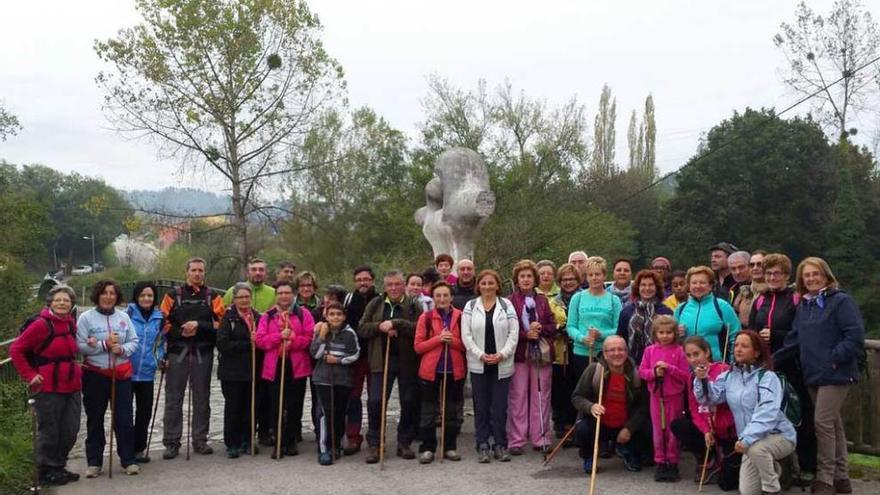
(16, 454)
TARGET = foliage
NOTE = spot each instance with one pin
(16, 302)
(227, 86)
(9, 124)
(603, 164)
(821, 50)
(26, 221)
(16, 461)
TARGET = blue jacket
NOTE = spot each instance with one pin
(830, 333)
(756, 407)
(700, 317)
(152, 348)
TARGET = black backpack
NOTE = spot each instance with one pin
(33, 357)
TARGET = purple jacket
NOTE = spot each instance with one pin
(543, 315)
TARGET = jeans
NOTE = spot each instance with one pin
(96, 397)
(490, 397)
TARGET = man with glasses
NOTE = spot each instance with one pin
(579, 260)
(355, 303)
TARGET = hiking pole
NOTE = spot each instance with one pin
(32, 405)
(711, 429)
(662, 417)
(332, 417)
(726, 342)
(112, 408)
(189, 402)
(384, 404)
(253, 441)
(598, 428)
(155, 410)
(278, 430)
(443, 403)
(537, 352)
(549, 457)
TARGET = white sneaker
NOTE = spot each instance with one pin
(93, 471)
(132, 469)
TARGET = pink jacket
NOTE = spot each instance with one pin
(268, 338)
(677, 378)
(701, 414)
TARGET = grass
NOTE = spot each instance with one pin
(864, 466)
(16, 461)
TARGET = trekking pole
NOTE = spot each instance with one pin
(537, 352)
(253, 441)
(711, 429)
(384, 404)
(662, 416)
(598, 427)
(155, 410)
(332, 417)
(726, 342)
(32, 405)
(278, 430)
(189, 403)
(549, 457)
(112, 409)
(443, 403)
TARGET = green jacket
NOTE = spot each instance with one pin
(404, 323)
(262, 299)
(587, 391)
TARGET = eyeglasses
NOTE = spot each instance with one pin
(774, 273)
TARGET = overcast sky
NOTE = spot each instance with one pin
(700, 59)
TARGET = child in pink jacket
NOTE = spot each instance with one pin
(665, 369)
(297, 324)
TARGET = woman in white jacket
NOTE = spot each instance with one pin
(490, 330)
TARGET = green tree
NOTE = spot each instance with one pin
(649, 125)
(25, 219)
(9, 124)
(228, 87)
(604, 136)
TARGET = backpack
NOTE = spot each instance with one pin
(723, 335)
(33, 357)
(791, 402)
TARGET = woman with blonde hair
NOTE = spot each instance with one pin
(593, 315)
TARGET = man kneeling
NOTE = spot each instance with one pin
(623, 408)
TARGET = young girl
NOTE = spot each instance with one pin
(335, 348)
(664, 367)
(708, 426)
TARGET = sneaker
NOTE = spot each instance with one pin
(672, 474)
(171, 451)
(630, 461)
(132, 469)
(232, 453)
(661, 471)
(451, 455)
(325, 459)
(93, 471)
(405, 452)
(843, 486)
(588, 465)
(516, 451)
(203, 449)
(426, 457)
(372, 455)
(502, 454)
(483, 456)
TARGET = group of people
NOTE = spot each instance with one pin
(709, 359)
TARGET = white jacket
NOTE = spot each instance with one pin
(473, 334)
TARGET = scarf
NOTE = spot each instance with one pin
(640, 328)
(528, 314)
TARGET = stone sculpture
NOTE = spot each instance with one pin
(458, 203)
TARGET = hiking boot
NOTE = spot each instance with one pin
(630, 460)
(52, 477)
(267, 440)
(843, 486)
(232, 453)
(516, 451)
(325, 459)
(661, 471)
(452, 455)
(203, 449)
(426, 457)
(588, 465)
(132, 469)
(141, 457)
(502, 454)
(372, 455)
(672, 474)
(352, 449)
(821, 488)
(245, 449)
(483, 456)
(68, 474)
(93, 471)
(405, 452)
(171, 451)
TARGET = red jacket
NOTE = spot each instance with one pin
(429, 345)
(720, 415)
(57, 362)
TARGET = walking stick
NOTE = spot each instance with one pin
(155, 410)
(443, 404)
(253, 441)
(189, 403)
(726, 342)
(598, 427)
(662, 416)
(332, 417)
(384, 404)
(32, 405)
(549, 457)
(537, 352)
(112, 409)
(278, 430)
(712, 429)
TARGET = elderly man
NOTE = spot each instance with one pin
(579, 260)
(388, 328)
(465, 288)
(623, 411)
(741, 292)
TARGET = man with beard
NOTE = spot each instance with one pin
(465, 288)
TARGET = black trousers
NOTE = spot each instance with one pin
(96, 397)
(143, 413)
(638, 445)
(430, 405)
(294, 398)
(561, 387)
(325, 415)
(408, 393)
(57, 426)
(236, 413)
(490, 406)
(264, 413)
